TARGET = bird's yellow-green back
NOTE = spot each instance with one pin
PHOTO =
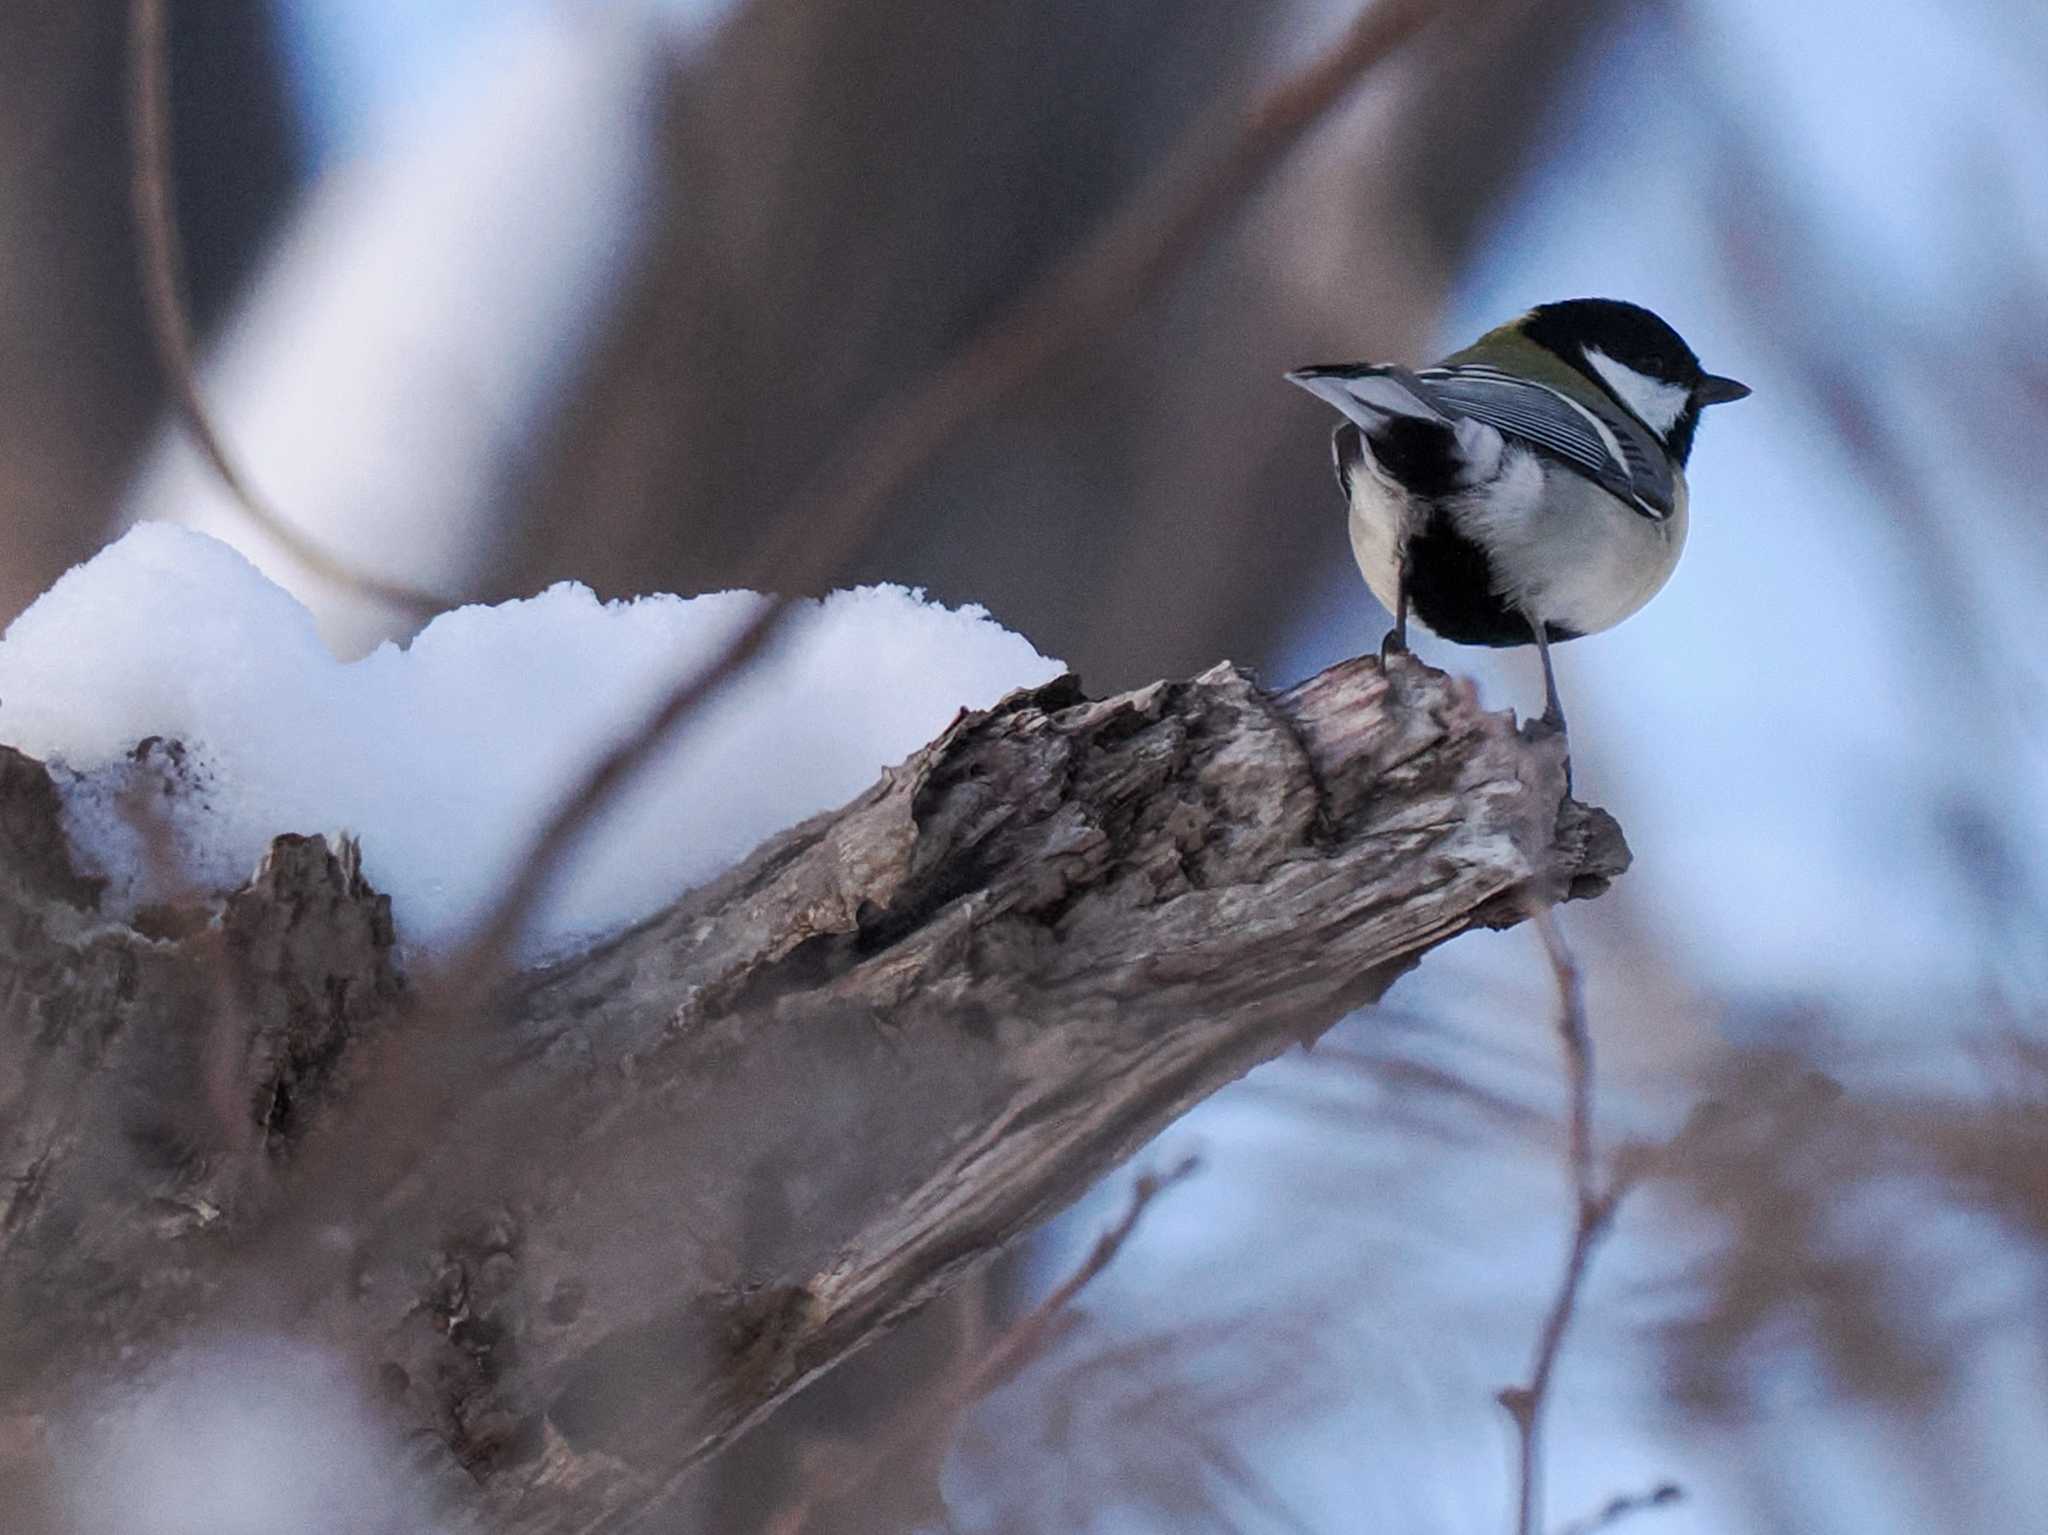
(1507, 348)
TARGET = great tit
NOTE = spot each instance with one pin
(1532, 486)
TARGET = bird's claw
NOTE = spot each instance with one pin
(1546, 727)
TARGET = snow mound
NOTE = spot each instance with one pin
(246, 1438)
(444, 756)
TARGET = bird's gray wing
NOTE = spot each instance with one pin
(1610, 452)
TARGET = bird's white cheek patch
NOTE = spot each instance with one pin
(1658, 403)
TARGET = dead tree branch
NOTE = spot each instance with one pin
(1162, 226)
(693, 1169)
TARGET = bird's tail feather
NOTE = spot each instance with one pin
(1428, 449)
(1368, 393)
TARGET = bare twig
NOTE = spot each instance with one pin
(1080, 299)
(929, 1416)
(1663, 1495)
(156, 229)
(1024, 1339)
(1594, 1209)
(1578, 1051)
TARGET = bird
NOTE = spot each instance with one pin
(1529, 489)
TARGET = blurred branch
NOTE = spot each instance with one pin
(1593, 1214)
(156, 224)
(636, 1227)
(1663, 1495)
(1163, 225)
(927, 1418)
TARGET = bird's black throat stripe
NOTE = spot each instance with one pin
(1451, 589)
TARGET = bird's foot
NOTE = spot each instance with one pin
(1546, 727)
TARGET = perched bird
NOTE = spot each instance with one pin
(1530, 488)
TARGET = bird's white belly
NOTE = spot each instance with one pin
(1379, 519)
(1575, 556)
(1562, 549)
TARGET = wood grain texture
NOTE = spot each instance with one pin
(579, 1244)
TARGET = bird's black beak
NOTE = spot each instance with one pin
(1719, 391)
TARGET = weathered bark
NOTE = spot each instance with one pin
(669, 1182)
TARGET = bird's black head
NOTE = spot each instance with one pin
(1637, 359)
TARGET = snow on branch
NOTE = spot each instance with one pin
(575, 1245)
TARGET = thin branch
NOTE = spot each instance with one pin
(1080, 299)
(1578, 1051)
(1025, 1338)
(1663, 1495)
(1018, 1344)
(163, 286)
(1594, 1214)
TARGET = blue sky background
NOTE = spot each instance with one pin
(354, 64)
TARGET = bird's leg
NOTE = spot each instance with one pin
(1396, 642)
(1553, 706)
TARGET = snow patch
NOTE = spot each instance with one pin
(445, 756)
(258, 1437)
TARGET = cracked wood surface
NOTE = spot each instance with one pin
(576, 1244)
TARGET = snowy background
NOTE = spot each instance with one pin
(500, 296)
